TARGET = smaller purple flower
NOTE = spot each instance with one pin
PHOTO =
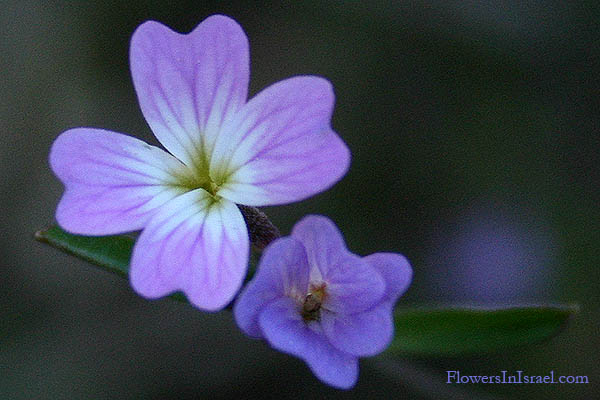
(314, 299)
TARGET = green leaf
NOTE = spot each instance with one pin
(459, 331)
(111, 253)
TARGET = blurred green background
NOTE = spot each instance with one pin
(474, 128)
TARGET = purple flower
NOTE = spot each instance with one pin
(276, 148)
(314, 299)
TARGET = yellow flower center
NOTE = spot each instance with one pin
(201, 176)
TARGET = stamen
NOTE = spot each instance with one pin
(311, 307)
(213, 188)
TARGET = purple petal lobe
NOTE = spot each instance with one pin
(396, 272)
(363, 334)
(283, 271)
(114, 183)
(281, 148)
(188, 85)
(195, 244)
(323, 242)
(284, 329)
(353, 285)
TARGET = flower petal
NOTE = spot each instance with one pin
(187, 85)
(285, 330)
(281, 148)
(194, 244)
(114, 183)
(282, 271)
(396, 272)
(362, 334)
(353, 286)
(323, 242)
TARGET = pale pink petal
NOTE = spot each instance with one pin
(188, 85)
(280, 148)
(113, 182)
(194, 244)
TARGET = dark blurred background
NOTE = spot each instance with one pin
(474, 128)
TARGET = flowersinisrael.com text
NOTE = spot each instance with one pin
(515, 377)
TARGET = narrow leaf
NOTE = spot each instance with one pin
(111, 253)
(458, 331)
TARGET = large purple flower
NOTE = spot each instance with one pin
(314, 299)
(276, 148)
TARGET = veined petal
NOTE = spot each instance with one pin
(194, 244)
(323, 242)
(283, 271)
(280, 148)
(396, 272)
(113, 182)
(284, 329)
(189, 85)
(362, 334)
